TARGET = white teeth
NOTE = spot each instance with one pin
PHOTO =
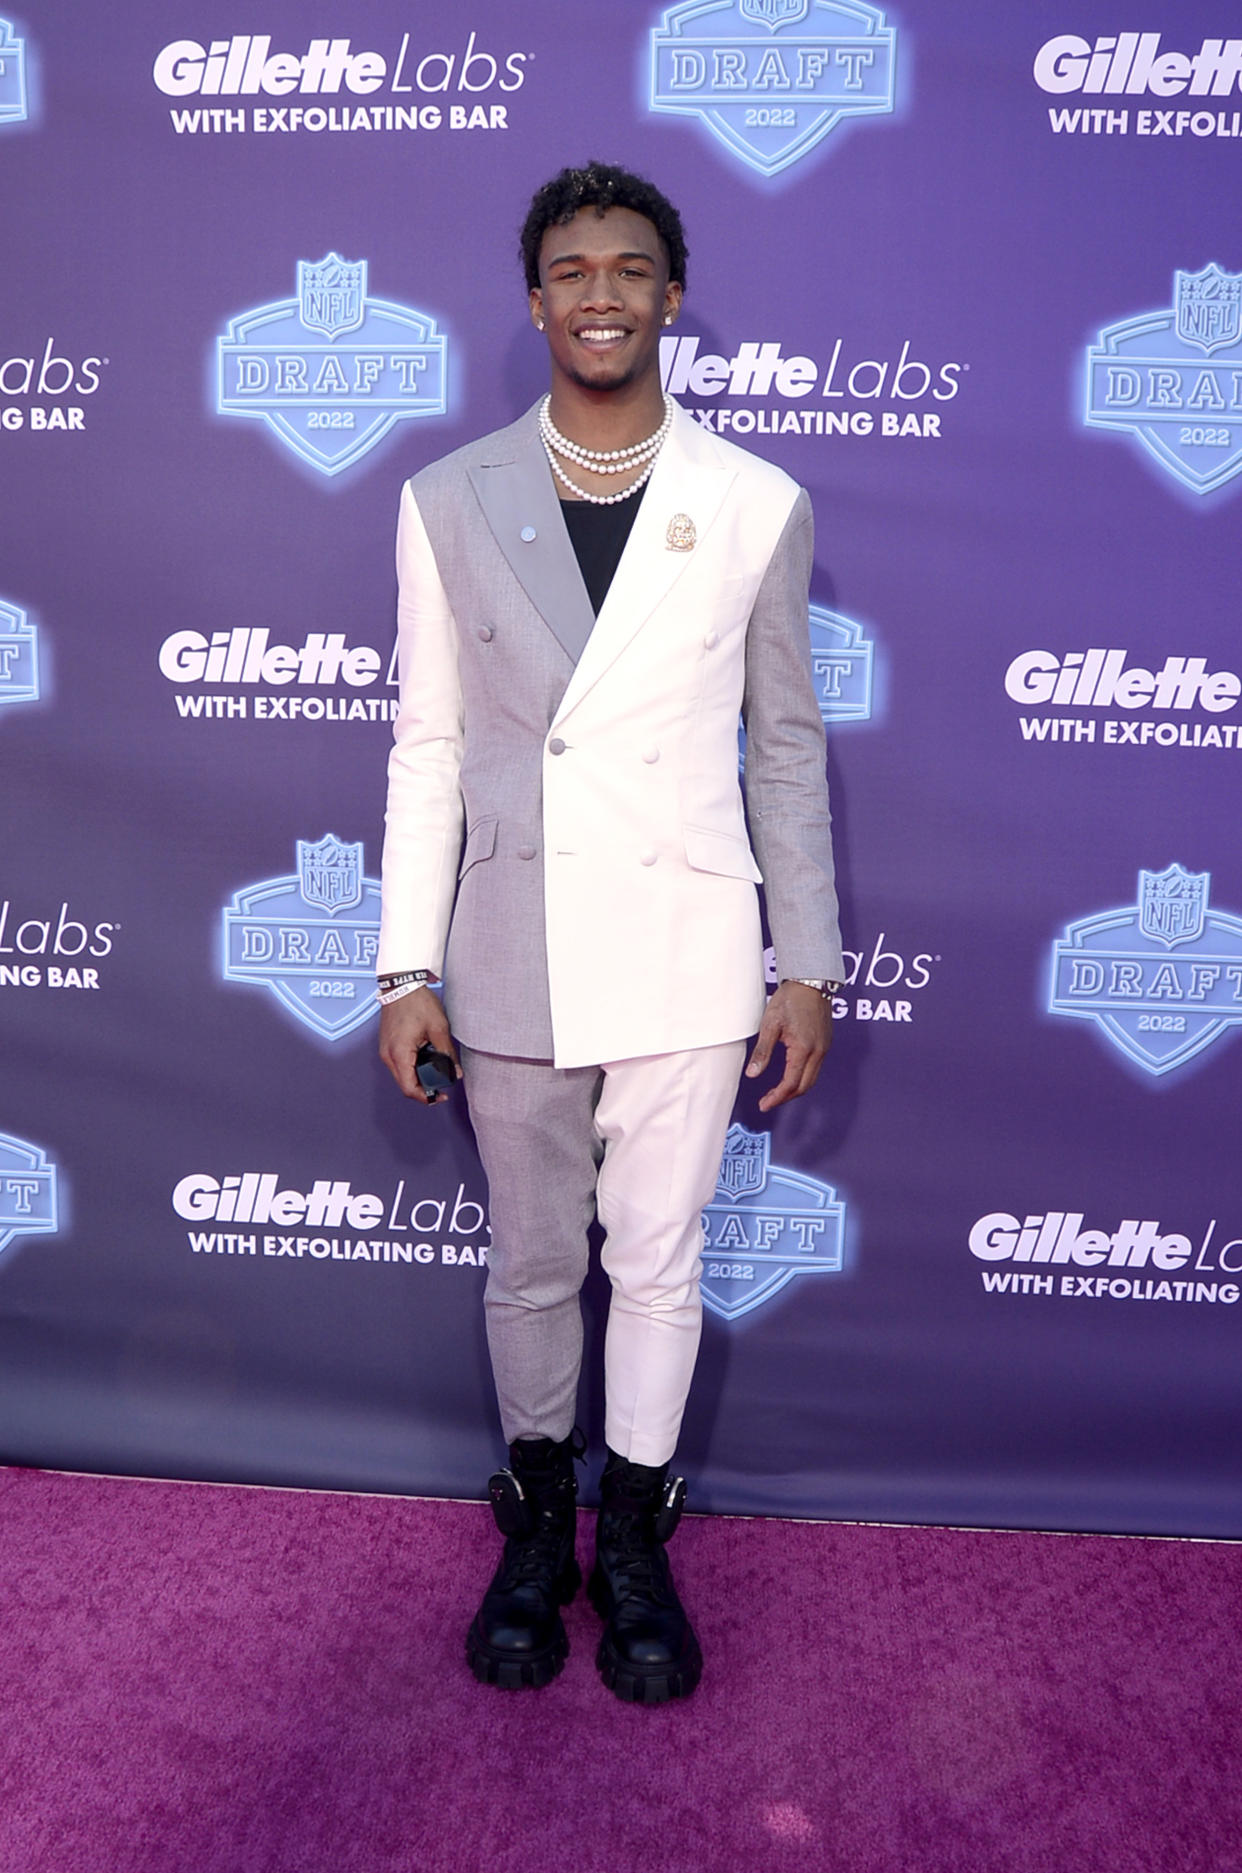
(597, 335)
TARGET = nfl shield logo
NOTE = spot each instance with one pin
(13, 103)
(332, 370)
(1172, 904)
(332, 294)
(1209, 308)
(842, 666)
(27, 1191)
(19, 656)
(1158, 977)
(310, 938)
(1149, 374)
(772, 78)
(764, 1227)
(744, 1167)
(330, 873)
(774, 13)
(841, 662)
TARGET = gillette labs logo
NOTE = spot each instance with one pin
(1132, 65)
(1045, 1254)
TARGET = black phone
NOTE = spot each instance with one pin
(436, 1072)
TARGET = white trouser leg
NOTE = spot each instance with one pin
(663, 1120)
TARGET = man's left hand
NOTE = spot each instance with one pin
(801, 1019)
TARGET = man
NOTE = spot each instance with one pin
(588, 599)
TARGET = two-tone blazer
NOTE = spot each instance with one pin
(567, 841)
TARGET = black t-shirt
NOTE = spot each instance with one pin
(598, 532)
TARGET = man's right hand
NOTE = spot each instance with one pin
(405, 1026)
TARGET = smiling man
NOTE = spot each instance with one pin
(588, 600)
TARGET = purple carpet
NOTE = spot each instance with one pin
(200, 1680)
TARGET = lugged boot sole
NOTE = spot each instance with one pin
(631, 1683)
(532, 1670)
(508, 1673)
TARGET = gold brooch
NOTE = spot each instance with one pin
(680, 537)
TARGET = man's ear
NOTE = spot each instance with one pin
(536, 308)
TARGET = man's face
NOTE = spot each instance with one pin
(604, 294)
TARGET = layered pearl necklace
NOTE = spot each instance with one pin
(641, 455)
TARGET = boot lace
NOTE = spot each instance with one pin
(534, 1559)
(636, 1560)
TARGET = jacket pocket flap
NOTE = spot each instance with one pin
(721, 852)
(480, 843)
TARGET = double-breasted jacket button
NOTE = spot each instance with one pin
(651, 754)
(528, 534)
(647, 858)
(556, 745)
(526, 851)
(711, 640)
(486, 633)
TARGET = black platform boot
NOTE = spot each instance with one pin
(518, 1638)
(648, 1653)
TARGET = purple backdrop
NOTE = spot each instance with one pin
(978, 285)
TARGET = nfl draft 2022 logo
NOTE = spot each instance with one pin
(19, 656)
(13, 102)
(764, 1226)
(1162, 978)
(27, 1191)
(333, 370)
(771, 78)
(1173, 379)
(841, 665)
(841, 670)
(311, 939)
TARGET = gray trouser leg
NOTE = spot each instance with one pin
(534, 1126)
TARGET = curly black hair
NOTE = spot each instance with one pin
(601, 186)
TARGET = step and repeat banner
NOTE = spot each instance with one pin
(971, 274)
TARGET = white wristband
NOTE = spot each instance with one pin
(384, 996)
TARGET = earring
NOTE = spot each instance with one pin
(538, 325)
(668, 318)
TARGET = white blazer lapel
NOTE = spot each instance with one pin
(687, 483)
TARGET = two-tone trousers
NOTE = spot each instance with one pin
(639, 1142)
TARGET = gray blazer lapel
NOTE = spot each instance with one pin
(520, 505)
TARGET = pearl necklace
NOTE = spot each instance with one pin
(602, 461)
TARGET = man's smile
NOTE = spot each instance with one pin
(600, 335)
